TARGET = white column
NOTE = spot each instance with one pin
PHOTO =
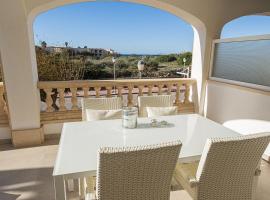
(201, 59)
(19, 69)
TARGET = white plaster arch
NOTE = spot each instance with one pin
(199, 29)
(249, 15)
(33, 12)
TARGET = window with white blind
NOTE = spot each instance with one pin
(242, 60)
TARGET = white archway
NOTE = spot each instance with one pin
(189, 18)
(198, 26)
(248, 20)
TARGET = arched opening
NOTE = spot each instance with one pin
(78, 41)
(251, 25)
(240, 73)
(38, 8)
(241, 55)
(197, 25)
(66, 38)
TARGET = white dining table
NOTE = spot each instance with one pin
(80, 141)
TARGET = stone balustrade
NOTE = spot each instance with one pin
(61, 99)
(3, 107)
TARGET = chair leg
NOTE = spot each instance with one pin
(81, 188)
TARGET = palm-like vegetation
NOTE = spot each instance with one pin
(69, 66)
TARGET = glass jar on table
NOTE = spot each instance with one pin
(130, 115)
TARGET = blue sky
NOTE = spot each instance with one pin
(246, 26)
(128, 28)
(124, 27)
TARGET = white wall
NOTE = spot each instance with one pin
(243, 110)
(224, 103)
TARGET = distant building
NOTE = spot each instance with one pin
(54, 49)
(97, 52)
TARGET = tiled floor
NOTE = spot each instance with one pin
(26, 174)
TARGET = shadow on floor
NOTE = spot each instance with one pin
(27, 184)
(6, 196)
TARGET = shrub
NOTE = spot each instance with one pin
(187, 55)
(166, 58)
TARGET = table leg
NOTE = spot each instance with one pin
(70, 185)
(59, 188)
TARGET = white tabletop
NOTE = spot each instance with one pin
(80, 140)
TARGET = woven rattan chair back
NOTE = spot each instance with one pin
(112, 103)
(227, 167)
(153, 101)
(132, 173)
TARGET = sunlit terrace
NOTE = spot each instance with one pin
(203, 134)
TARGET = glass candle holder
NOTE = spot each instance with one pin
(130, 115)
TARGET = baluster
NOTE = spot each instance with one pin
(140, 90)
(150, 90)
(74, 99)
(109, 91)
(177, 95)
(49, 100)
(130, 96)
(187, 93)
(62, 106)
(119, 91)
(3, 103)
(169, 87)
(97, 89)
(85, 92)
(4, 97)
(2, 100)
(160, 89)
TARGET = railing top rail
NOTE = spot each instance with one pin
(121, 82)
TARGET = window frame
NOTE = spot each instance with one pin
(233, 82)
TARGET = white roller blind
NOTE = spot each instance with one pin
(245, 61)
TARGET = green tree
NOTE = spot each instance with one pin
(58, 67)
(43, 44)
(187, 56)
(166, 58)
(150, 69)
(121, 64)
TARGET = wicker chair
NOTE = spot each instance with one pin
(130, 173)
(153, 101)
(112, 103)
(227, 169)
